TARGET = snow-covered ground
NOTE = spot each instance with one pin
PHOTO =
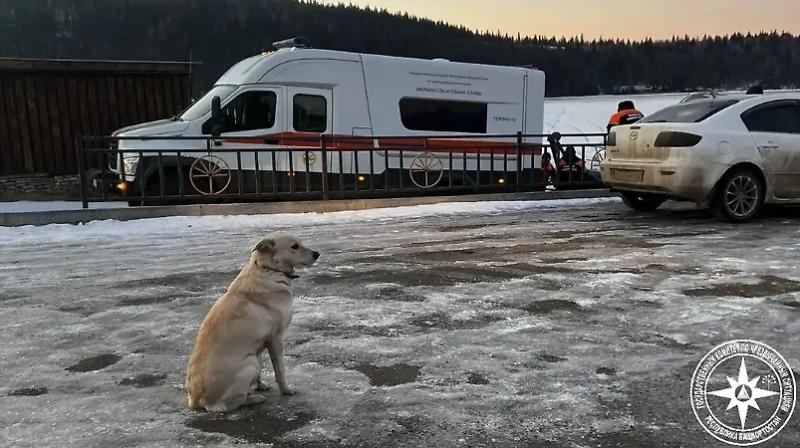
(460, 325)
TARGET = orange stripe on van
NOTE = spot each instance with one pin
(350, 143)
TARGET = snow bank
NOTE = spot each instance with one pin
(49, 206)
(182, 225)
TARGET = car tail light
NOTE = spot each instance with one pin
(673, 139)
(611, 139)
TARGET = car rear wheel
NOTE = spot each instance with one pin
(643, 202)
(740, 196)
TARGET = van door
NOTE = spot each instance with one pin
(310, 114)
(251, 117)
(252, 122)
(775, 127)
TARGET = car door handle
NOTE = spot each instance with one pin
(768, 147)
(271, 141)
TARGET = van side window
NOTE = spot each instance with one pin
(444, 116)
(310, 113)
(783, 118)
(249, 111)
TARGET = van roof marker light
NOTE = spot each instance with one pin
(295, 42)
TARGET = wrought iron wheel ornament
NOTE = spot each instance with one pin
(426, 170)
(210, 175)
(597, 159)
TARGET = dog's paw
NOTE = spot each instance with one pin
(254, 399)
(288, 390)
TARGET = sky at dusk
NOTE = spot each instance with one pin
(634, 19)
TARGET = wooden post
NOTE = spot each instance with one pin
(81, 171)
(324, 153)
(519, 160)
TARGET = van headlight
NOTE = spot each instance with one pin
(129, 165)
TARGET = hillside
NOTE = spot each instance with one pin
(220, 32)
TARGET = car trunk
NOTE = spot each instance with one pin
(636, 143)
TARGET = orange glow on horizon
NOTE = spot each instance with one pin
(624, 19)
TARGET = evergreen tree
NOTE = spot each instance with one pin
(221, 32)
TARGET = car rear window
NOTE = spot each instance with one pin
(691, 112)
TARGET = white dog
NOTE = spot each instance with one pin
(224, 370)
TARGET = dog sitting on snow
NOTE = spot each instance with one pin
(224, 370)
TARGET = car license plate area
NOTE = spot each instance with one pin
(627, 175)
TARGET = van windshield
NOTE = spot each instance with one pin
(691, 112)
(203, 105)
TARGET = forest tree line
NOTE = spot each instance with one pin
(221, 32)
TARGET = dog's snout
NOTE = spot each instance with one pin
(315, 254)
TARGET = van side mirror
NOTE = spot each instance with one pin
(217, 120)
(216, 107)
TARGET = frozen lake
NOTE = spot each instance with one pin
(587, 115)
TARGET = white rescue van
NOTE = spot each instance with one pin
(290, 97)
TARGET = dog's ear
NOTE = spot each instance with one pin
(265, 246)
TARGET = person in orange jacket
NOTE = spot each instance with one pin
(626, 114)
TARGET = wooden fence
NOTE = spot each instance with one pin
(46, 104)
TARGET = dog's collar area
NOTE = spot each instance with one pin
(289, 275)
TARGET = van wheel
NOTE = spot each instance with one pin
(739, 197)
(643, 202)
(171, 184)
